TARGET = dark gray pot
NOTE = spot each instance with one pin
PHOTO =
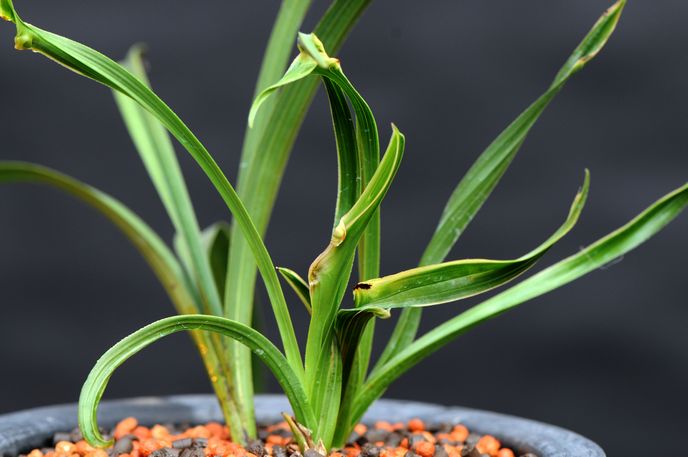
(28, 429)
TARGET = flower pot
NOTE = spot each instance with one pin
(24, 430)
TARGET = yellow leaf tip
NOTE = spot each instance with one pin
(310, 44)
(616, 8)
(138, 50)
(254, 111)
(586, 180)
(396, 131)
(339, 234)
(23, 41)
(7, 11)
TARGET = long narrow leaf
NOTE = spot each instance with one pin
(357, 160)
(215, 239)
(481, 179)
(486, 172)
(156, 150)
(327, 286)
(151, 247)
(97, 380)
(347, 151)
(275, 59)
(96, 66)
(301, 67)
(614, 245)
(450, 281)
(264, 156)
(299, 285)
(327, 394)
(324, 276)
(326, 272)
(279, 47)
(314, 59)
(358, 154)
(215, 243)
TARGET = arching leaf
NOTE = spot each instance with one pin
(98, 378)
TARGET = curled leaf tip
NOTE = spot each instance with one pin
(396, 131)
(23, 41)
(310, 44)
(138, 50)
(339, 234)
(7, 10)
(381, 313)
(618, 6)
(581, 195)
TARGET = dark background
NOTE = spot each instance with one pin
(606, 356)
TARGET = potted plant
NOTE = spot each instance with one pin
(210, 274)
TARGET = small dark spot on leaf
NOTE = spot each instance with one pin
(362, 285)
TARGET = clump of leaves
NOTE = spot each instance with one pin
(210, 276)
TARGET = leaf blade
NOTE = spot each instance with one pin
(264, 158)
(92, 64)
(451, 281)
(97, 380)
(172, 276)
(335, 262)
(157, 153)
(298, 285)
(603, 251)
(485, 173)
(146, 241)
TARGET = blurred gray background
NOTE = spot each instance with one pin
(606, 356)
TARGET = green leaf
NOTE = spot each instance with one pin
(478, 183)
(367, 156)
(302, 66)
(368, 148)
(451, 281)
(358, 157)
(486, 172)
(215, 239)
(157, 153)
(353, 223)
(279, 47)
(96, 66)
(326, 273)
(347, 151)
(313, 59)
(611, 247)
(215, 243)
(350, 326)
(358, 151)
(265, 153)
(161, 260)
(148, 243)
(327, 392)
(299, 285)
(300, 435)
(237, 306)
(97, 380)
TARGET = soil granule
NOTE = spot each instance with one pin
(382, 439)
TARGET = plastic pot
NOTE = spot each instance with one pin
(25, 430)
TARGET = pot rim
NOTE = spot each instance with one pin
(23, 430)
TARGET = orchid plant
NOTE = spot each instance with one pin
(210, 273)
